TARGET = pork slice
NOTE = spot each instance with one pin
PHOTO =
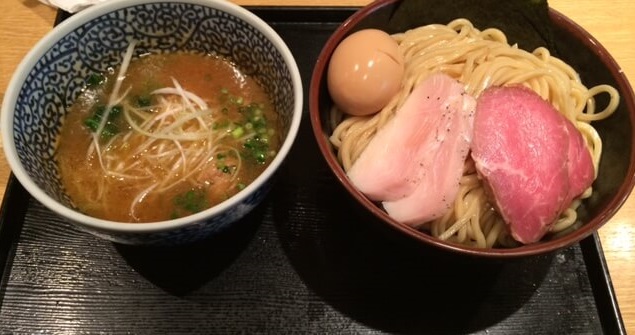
(441, 167)
(414, 163)
(531, 158)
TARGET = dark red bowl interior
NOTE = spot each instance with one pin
(577, 47)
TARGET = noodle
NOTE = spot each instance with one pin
(479, 59)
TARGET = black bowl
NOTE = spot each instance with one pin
(566, 40)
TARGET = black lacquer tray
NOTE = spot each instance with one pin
(305, 261)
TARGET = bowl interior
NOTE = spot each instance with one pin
(95, 41)
(565, 40)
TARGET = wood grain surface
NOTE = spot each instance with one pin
(24, 22)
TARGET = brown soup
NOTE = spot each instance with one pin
(182, 133)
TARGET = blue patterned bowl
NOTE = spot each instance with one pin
(51, 76)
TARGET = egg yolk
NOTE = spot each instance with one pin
(365, 72)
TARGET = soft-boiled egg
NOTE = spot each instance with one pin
(365, 72)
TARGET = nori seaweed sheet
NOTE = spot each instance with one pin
(525, 22)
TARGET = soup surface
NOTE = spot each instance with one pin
(165, 136)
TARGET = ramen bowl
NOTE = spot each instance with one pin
(551, 29)
(53, 74)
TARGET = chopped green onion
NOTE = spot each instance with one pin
(192, 201)
(93, 122)
(143, 101)
(95, 80)
(114, 111)
(109, 131)
(256, 148)
(260, 157)
(238, 132)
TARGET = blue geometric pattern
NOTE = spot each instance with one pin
(58, 77)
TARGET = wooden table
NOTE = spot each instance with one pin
(24, 22)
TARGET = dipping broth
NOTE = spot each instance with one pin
(165, 136)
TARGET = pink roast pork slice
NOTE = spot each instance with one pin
(414, 163)
(533, 160)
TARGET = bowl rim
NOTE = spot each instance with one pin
(557, 19)
(91, 13)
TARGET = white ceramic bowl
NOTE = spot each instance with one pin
(46, 83)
